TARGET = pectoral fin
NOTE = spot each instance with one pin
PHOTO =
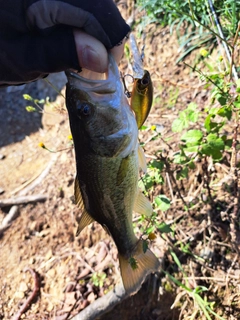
(85, 219)
(142, 205)
(142, 159)
(123, 170)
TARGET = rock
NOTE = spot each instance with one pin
(19, 295)
(23, 287)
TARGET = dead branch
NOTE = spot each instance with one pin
(30, 299)
(234, 216)
(12, 214)
(117, 299)
(103, 304)
(36, 180)
(22, 200)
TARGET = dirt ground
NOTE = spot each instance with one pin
(42, 236)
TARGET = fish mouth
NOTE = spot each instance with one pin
(91, 81)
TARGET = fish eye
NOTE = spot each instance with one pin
(83, 110)
(144, 81)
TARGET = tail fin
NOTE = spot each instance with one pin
(134, 275)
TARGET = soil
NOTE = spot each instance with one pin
(42, 236)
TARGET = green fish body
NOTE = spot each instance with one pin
(105, 136)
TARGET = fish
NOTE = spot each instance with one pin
(108, 160)
(142, 97)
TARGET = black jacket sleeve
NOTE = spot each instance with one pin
(36, 36)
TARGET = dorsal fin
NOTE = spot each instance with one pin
(142, 159)
(142, 205)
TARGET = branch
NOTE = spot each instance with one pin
(103, 304)
(22, 200)
(29, 301)
(117, 301)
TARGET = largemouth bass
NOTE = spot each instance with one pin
(105, 136)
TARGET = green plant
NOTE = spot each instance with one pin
(98, 279)
(202, 304)
(194, 18)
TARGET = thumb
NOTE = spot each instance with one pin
(92, 54)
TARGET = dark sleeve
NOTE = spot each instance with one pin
(36, 36)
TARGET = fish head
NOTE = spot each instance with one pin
(99, 113)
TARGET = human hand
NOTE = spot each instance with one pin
(38, 37)
(92, 54)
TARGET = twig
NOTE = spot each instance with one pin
(234, 228)
(30, 299)
(206, 179)
(224, 43)
(103, 304)
(170, 186)
(232, 55)
(22, 200)
(169, 171)
(229, 271)
(12, 214)
(39, 179)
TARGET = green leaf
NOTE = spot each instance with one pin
(200, 289)
(178, 125)
(143, 128)
(191, 149)
(191, 165)
(148, 181)
(225, 112)
(157, 177)
(158, 164)
(180, 158)
(162, 202)
(42, 101)
(213, 111)
(193, 116)
(182, 174)
(221, 99)
(164, 228)
(30, 109)
(192, 137)
(238, 83)
(27, 97)
(145, 246)
(190, 114)
(214, 146)
(133, 263)
(211, 125)
(237, 104)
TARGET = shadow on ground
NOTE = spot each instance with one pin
(147, 304)
(15, 122)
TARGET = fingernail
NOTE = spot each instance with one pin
(91, 60)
